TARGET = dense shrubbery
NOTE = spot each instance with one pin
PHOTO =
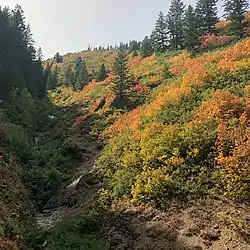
(82, 232)
(192, 137)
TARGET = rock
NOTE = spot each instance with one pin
(197, 248)
(211, 235)
(88, 179)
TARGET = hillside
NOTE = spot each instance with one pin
(94, 59)
(188, 144)
(145, 146)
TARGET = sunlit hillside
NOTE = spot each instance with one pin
(93, 59)
(142, 145)
(178, 142)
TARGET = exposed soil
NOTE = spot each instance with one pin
(214, 223)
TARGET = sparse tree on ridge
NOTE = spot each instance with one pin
(58, 58)
(133, 45)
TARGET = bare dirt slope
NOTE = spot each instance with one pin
(214, 223)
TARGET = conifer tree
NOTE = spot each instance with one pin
(146, 47)
(39, 55)
(20, 65)
(160, 34)
(190, 34)
(234, 11)
(133, 45)
(53, 79)
(101, 74)
(72, 80)
(206, 12)
(81, 74)
(67, 76)
(121, 80)
(58, 58)
(175, 23)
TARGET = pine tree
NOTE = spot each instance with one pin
(72, 79)
(234, 11)
(160, 34)
(133, 45)
(121, 80)
(206, 12)
(175, 23)
(53, 79)
(79, 82)
(58, 58)
(146, 47)
(47, 76)
(67, 76)
(122, 46)
(39, 54)
(20, 66)
(190, 34)
(101, 74)
(81, 74)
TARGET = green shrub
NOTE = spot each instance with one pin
(76, 233)
(47, 168)
(161, 162)
(121, 182)
(21, 108)
(234, 81)
(2, 115)
(152, 186)
(15, 139)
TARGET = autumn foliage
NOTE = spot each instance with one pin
(190, 137)
(193, 136)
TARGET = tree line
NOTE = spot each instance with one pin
(182, 27)
(20, 63)
(75, 76)
(179, 29)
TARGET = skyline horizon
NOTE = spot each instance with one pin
(65, 36)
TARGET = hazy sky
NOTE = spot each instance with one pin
(69, 26)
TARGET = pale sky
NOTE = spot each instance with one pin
(69, 26)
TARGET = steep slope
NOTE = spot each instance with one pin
(174, 172)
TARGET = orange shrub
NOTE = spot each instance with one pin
(210, 41)
(222, 27)
(220, 105)
(177, 63)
